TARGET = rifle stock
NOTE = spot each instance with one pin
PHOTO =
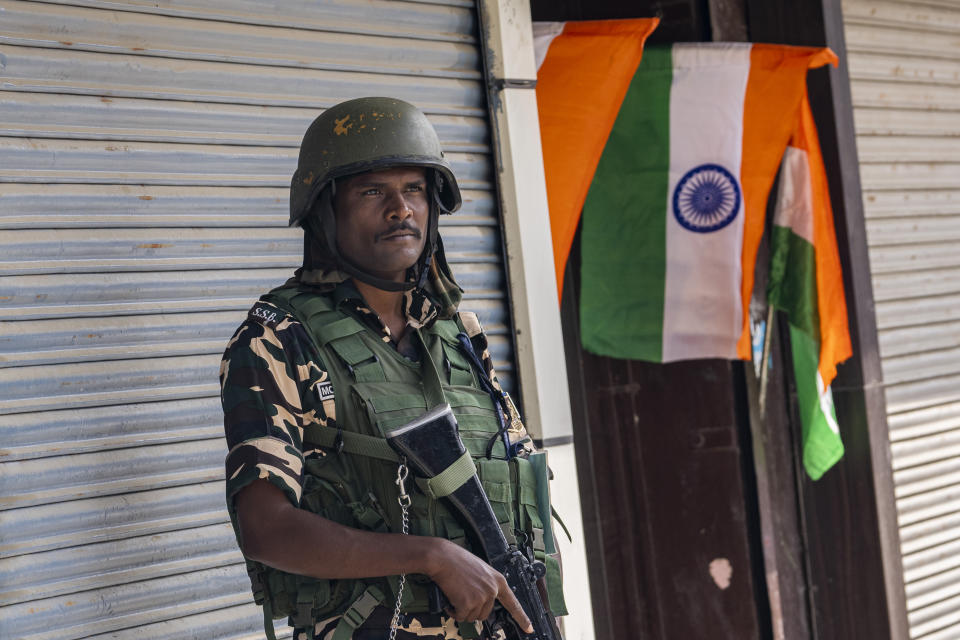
(431, 443)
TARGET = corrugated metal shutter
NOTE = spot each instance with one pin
(905, 71)
(145, 154)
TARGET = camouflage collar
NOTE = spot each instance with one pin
(439, 298)
(419, 306)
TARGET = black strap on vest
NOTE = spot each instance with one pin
(495, 396)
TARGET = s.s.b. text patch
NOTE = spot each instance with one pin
(265, 314)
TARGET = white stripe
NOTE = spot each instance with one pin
(795, 196)
(543, 35)
(825, 396)
(702, 316)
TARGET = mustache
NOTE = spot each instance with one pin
(397, 228)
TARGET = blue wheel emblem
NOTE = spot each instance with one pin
(706, 199)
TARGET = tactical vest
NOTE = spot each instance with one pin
(376, 390)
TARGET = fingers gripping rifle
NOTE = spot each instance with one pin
(432, 446)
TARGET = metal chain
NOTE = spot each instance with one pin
(404, 501)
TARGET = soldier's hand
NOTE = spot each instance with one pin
(472, 586)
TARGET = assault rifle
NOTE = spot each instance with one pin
(431, 444)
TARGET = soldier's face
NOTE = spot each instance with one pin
(382, 220)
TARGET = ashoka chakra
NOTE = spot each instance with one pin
(706, 199)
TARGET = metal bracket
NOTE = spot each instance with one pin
(512, 83)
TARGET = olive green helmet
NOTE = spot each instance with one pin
(368, 134)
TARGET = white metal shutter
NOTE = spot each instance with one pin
(905, 72)
(146, 149)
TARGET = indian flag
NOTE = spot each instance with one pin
(806, 283)
(676, 208)
(583, 71)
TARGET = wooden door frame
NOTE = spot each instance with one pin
(856, 573)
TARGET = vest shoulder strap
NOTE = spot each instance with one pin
(457, 364)
(446, 329)
(302, 304)
(329, 326)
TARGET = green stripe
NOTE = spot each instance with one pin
(793, 289)
(822, 447)
(793, 280)
(623, 239)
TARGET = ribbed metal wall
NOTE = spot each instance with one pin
(145, 154)
(904, 61)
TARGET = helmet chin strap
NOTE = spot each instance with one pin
(379, 283)
(328, 228)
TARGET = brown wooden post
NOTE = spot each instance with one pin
(668, 505)
(855, 573)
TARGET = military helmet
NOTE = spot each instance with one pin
(368, 134)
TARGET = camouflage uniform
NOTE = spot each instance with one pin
(273, 383)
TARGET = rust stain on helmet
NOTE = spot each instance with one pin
(308, 179)
(341, 127)
(380, 115)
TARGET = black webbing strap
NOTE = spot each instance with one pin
(499, 404)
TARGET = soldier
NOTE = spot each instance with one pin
(327, 363)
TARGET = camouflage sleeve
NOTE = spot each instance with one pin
(270, 388)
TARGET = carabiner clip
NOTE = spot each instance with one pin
(403, 498)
